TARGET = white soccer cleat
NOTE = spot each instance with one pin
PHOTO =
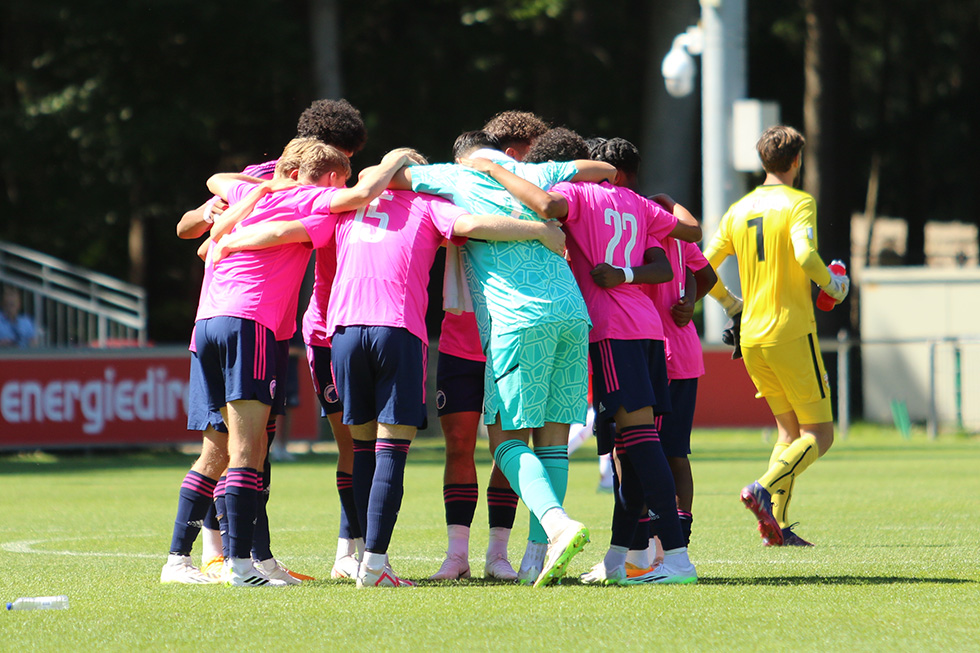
(532, 562)
(499, 567)
(345, 567)
(453, 568)
(566, 545)
(599, 575)
(676, 569)
(180, 569)
(275, 571)
(240, 572)
(384, 577)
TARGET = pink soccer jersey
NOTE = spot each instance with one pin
(384, 254)
(611, 224)
(263, 285)
(682, 344)
(315, 317)
(460, 337)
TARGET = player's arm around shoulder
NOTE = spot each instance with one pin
(260, 236)
(372, 183)
(594, 171)
(687, 228)
(505, 228)
(546, 205)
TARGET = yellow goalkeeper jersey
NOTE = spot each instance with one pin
(772, 232)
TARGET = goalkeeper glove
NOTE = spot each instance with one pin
(838, 286)
(732, 335)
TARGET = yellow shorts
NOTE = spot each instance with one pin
(791, 377)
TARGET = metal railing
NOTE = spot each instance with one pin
(72, 306)
(845, 342)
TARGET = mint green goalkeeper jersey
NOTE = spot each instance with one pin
(514, 284)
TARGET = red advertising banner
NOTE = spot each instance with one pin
(101, 398)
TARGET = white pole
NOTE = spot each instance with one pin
(723, 80)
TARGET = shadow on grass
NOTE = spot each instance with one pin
(834, 580)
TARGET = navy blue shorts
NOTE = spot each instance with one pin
(239, 361)
(605, 435)
(628, 373)
(283, 389)
(675, 426)
(199, 414)
(319, 359)
(459, 385)
(380, 375)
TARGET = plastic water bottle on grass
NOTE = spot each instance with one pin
(39, 603)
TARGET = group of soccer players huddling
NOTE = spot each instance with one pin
(556, 271)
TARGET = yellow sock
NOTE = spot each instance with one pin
(777, 449)
(780, 501)
(780, 504)
(791, 463)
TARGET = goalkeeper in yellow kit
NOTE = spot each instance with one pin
(772, 232)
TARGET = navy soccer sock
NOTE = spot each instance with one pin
(460, 500)
(642, 445)
(501, 507)
(363, 477)
(386, 493)
(221, 514)
(211, 518)
(196, 494)
(350, 527)
(262, 539)
(241, 499)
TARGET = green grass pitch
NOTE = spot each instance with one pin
(895, 567)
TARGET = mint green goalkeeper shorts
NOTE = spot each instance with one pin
(538, 374)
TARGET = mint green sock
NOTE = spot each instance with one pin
(555, 462)
(528, 477)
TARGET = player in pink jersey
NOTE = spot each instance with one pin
(614, 239)
(199, 509)
(337, 123)
(693, 277)
(243, 312)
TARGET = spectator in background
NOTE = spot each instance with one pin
(16, 328)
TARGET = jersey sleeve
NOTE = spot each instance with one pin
(437, 179)
(568, 191)
(803, 234)
(444, 216)
(720, 247)
(662, 222)
(320, 228)
(559, 171)
(238, 190)
(694, 259)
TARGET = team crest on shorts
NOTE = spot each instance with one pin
(440, 399)
(272, 388)
(330, 394)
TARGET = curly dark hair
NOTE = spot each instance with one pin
(558, 144)
(618, 152)
(335, 122)
(515, 128)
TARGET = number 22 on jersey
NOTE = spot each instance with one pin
(619, 222)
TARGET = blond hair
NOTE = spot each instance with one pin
(292, 155)
(320, 159)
